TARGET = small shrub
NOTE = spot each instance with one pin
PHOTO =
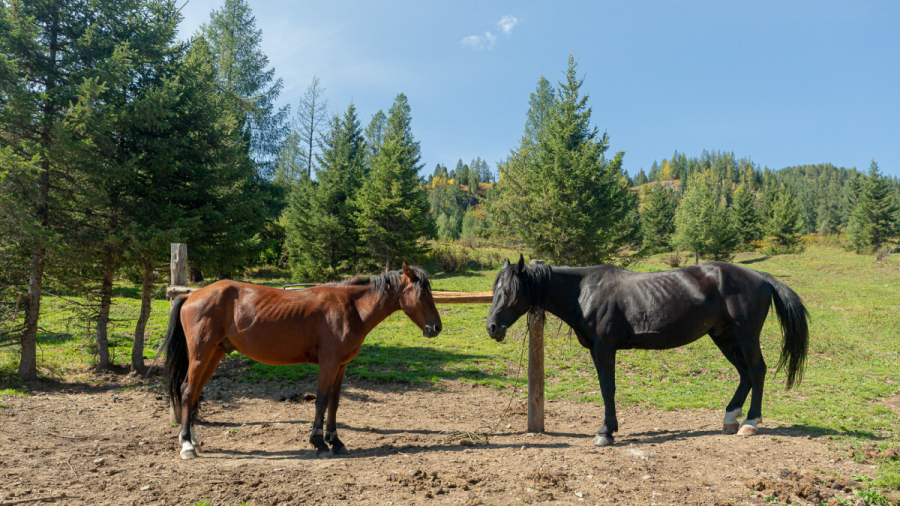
(675, 259)
(451, 259)
(882, 253)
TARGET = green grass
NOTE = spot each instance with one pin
(849, 383)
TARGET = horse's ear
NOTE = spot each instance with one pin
(409, 272)
(520, 267)
(506, 264)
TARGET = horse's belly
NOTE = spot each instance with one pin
(280, 351)
(661, 340)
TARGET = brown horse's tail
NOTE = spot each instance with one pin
(177, 359)
(794, 329)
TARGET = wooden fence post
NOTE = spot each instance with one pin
(178, 265)
(536, 367)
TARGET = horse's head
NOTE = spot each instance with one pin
(417, 302)
(511, 299)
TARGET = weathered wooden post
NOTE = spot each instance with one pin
(536, 367)
(178, 266)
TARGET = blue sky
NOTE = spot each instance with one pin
(784, 83)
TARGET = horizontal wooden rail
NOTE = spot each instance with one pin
(439, 297)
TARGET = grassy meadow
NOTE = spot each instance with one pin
(851, 388)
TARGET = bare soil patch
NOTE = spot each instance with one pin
(113, 444)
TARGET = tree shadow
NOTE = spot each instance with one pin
(753, 260)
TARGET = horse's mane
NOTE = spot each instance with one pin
(385, 284)
(538, 285)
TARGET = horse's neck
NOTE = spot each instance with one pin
(373, 309)
(562, 297)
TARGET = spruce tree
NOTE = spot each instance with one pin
(658, 217)
(876, 218)
(392, 209)
(561, 195)
(703, 224)
(746, 218)
(784, 222)
(241, 66)
(321, 236)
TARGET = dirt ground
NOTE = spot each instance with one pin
(113, 444)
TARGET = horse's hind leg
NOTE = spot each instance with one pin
(218, 354)
(728, 344)
(757, 372)
(190, 394)
(327, 375)
(337, 446)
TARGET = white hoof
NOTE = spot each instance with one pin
(748, 428)
(603, 440)
(188, 451)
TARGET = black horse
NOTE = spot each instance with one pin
(611, 308)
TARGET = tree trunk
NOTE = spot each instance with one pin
(696, 257)
(103, 320)
(387, 263)
(137, 352)
(28, 360)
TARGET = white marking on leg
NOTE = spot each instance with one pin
(732, 417)
(751, 423)
(187, 450)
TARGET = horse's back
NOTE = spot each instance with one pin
(668, 309)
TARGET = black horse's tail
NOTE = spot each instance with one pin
(794, 329)
(177, 359)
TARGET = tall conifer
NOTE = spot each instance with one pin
(392, 209)
(876, 218)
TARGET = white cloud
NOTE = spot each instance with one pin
(479, 42)
(507, 23)
(486, 41)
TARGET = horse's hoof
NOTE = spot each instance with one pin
(340, 451)
(188, 454)
(730, 428)
(603, 440)
(747, 430)
(323, 453)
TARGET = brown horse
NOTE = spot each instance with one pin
(323, 325)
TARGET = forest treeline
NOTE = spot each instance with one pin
(118, 138)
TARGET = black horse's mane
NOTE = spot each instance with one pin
(385, 284)
(538, 284)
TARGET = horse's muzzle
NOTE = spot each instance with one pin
(497, 332)
(432, 330)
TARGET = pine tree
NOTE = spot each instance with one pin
(311, 113)
(702, 222)
(392, 210)
(746, 217)
(876, 219)
(321, 236)
(539, 106)
(561, 195)
(241, 66)
(374, 136)
(784, 222)
(658, 217)
(54, 55)
(641, 179)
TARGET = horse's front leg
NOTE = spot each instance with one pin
(337, 446)
(605, 361)
(327, 374)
